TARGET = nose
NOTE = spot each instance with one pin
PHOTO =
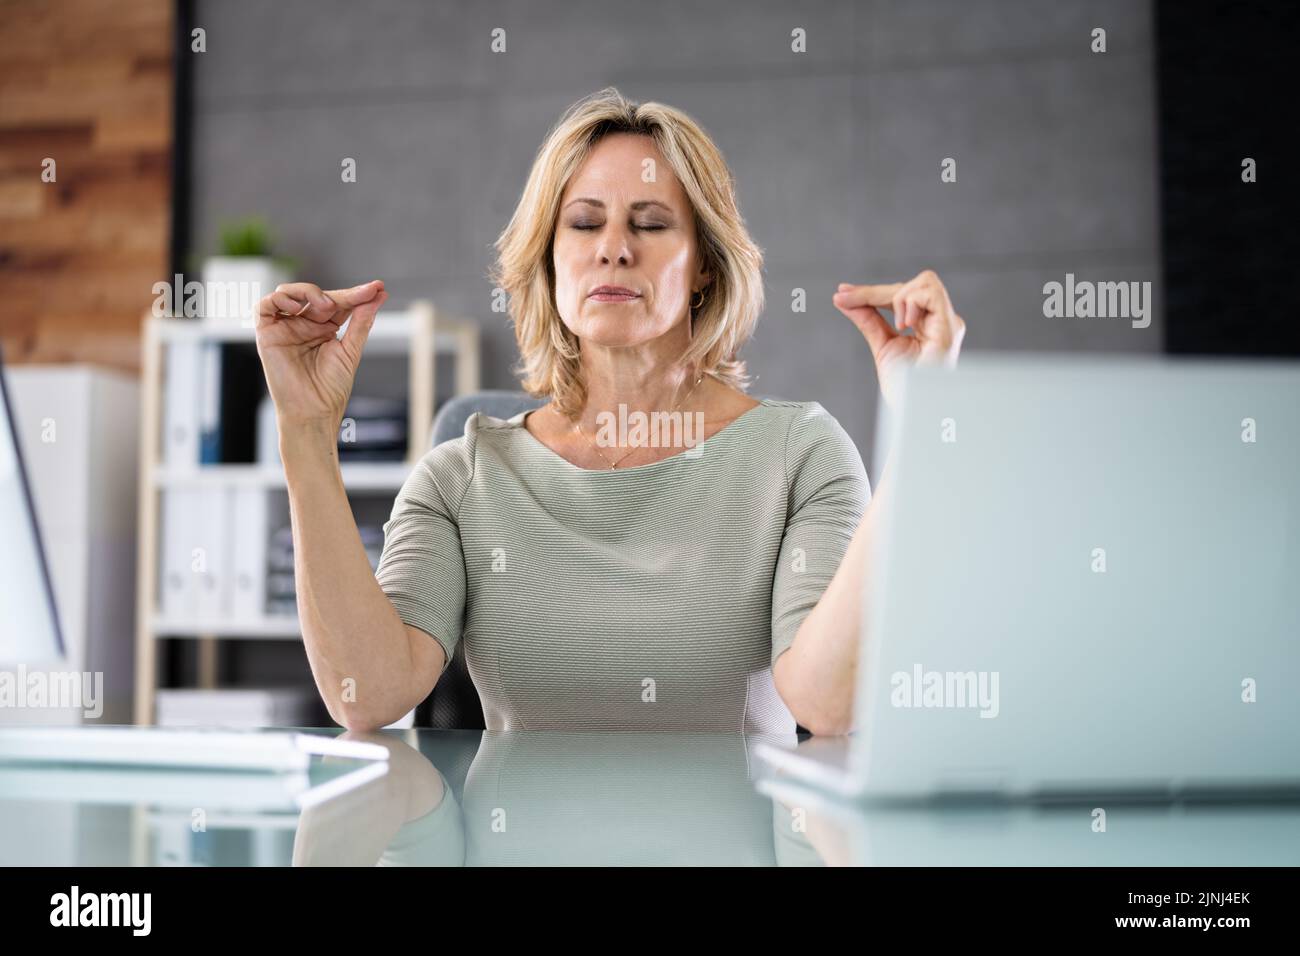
(613, 242)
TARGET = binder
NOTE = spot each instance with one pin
(268, 436)
(177, 588)
(181, 405)
(210, 404)
(212, 583)
(248, 553)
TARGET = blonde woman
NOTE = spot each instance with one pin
(598, 579)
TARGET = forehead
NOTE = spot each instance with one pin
(613, 171)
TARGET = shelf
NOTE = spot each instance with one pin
(421, 334)
(357, 476)
(269, 627)
(390, 335)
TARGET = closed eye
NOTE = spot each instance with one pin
(587, 227)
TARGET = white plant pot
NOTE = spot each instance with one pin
(232, 285)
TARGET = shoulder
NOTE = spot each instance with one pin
(457, 454)
(443, 474)
(808, 425)
(452, 463)
(816, 447)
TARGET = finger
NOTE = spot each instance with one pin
(928, 311)
(899, 307)
(363, 319)
(348, 299)
(930, 297)
(270, 305)
(854, 296)
(929, 294)
(289, 306)
(303, 300)
(931, 279)
(304, 292)
(873, 327)
(913, 313)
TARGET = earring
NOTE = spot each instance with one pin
(695, 306)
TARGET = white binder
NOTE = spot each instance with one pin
(181, 405)
(248, 553)
(209, 403)
(212, 580)
(177, 588)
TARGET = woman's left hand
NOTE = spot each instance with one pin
(921, 305)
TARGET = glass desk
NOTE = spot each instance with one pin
(469, 798)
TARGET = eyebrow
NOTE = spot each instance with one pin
(639, 204)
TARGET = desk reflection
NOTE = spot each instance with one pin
(469, 798)
(557, 799)
(647, 799)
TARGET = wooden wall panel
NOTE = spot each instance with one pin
(88, 84)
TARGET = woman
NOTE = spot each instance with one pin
(601, 580)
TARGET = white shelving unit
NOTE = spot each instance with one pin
(420, 333)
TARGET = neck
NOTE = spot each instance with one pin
(640, 380)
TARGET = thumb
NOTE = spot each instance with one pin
(872, 325)
(363, 319)
(347, 299)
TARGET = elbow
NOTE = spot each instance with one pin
(357, 719)
(814, 713)
(828, 726)
(361, 724)
(824, 720)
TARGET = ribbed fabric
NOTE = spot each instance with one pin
(651, 598)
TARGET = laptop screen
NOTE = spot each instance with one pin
(29, 629)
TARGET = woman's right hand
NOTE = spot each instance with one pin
(310, 371)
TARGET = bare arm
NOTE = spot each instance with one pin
(370, 667)
(817, 676)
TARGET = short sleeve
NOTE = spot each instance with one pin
(828, 495)
(422, 567)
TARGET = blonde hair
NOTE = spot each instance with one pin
(549, 367)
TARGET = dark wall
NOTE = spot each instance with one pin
(836, 151)
(1225, 93)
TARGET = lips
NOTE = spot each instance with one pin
(612, 293)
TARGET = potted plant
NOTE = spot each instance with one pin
(243, 271)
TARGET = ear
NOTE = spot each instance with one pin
(702, 278)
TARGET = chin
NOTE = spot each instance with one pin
(617, 331)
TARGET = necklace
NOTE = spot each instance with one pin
(614, 464)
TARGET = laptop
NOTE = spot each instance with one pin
(1086, 584)
(30, 633)
(1007, 833)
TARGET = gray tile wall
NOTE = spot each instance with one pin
(836, 151)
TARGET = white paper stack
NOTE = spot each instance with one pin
(236, 707)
